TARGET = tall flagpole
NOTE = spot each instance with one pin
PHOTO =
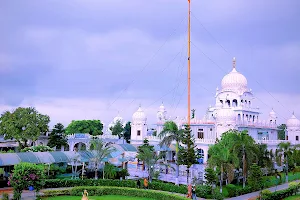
(189, 63)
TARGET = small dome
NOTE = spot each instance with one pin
(293, 122)
(272, 114)
(118, 118)
(139, 115)
(225, 114)
(234, 80)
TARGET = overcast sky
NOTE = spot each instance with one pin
(90, 59)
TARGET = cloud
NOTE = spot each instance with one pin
(111, 52)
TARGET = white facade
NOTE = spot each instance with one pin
(233, 109)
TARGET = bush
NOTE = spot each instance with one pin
(232, 190)
(25, 175)
(100, 191)
(5, 196)
(281, 194)
(201, 191)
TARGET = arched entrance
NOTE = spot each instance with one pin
(80, 146)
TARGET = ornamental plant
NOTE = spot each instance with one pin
(25, 175)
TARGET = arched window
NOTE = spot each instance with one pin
(201, 154)
(228, 103)
(234, 103)
(221, 102)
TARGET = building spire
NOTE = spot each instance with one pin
(233, 63)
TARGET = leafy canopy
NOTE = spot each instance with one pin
(127, 131)
(23, 124)
(93, 127)
(117, 129)
(57, 138)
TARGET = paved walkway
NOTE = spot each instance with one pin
(255, 194)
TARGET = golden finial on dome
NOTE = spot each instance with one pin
(233, 62)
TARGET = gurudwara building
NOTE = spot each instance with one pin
(233, 109)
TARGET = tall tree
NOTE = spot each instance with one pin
(23, 124)
(171, 133)
(255, 177)
(117, 129)
(127, 132)
(284, 151)
(147, 155)
(93, 127)
(100, 152)
(222, 158)
(264, 156)
(187, 155)
(57, 136)
(281, 132)
(245, 147)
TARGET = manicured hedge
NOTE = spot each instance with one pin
(281, 194)
(105, 190)
(201, 191)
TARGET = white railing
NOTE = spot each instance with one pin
(270, 142)
(88, 136)
(257, 124)
(153, 138)
(205, 141)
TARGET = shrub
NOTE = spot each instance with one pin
(99, 191)
(5, 196)
(25, 175)
(201, 191)
(39, 148)
(281, 194)
(232, 190)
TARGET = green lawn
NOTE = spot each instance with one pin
(297, 197)
(106, 197)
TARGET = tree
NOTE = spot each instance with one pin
(255, 179)
(25, 175)
(285, 150)
(127, 132)
(264, 156)
(281, 132)
(169, 134)
(222, 158)
(23, 124)
(110, 171)
(244, 147)
(210, 176)
(57, 137)
(147, 155)
(100, 153)
(92, 127)
(187, 154)
(117, 129)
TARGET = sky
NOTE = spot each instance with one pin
(91, 59)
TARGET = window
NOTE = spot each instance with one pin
(138, 132)
(210, 129)
(297, 138)
(200, 133)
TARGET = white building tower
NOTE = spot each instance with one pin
(138, 127)
(272, 117)
(293, 130)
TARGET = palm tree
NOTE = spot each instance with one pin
(148, 156)
(100, 151)
(223, 158)
(245, 145)
(285, 150)
(264, 156)
(169, 134)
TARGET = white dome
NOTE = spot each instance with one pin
(225, 114)
(293, 122)
(272, 114)
(234, 81)
(118, 118)
(139, 115)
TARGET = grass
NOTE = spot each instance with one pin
(106, 197)
(297, 197)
